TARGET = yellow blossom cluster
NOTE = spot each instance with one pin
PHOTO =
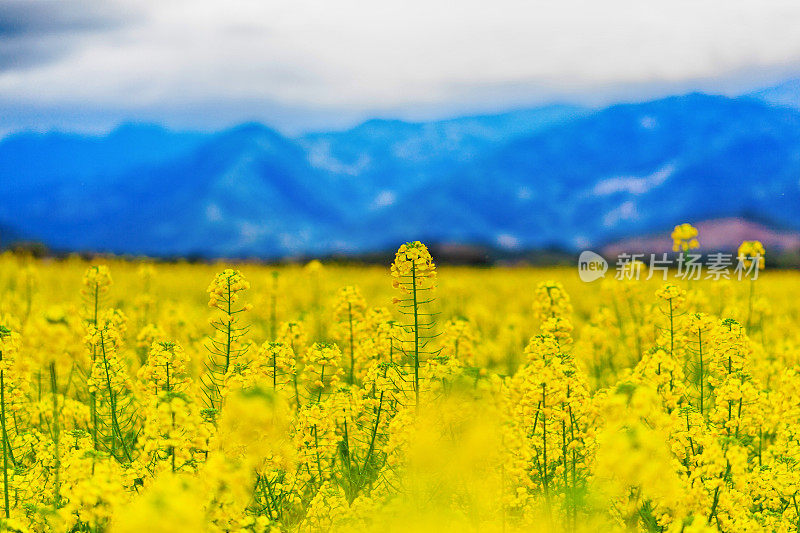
(684, 238)
(752, 251)
(413, 267)
(225, 288)
(509, 399)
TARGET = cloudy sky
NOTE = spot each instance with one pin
(84, 64)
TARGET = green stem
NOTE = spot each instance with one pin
(700, 349)
(374, 434)
(112, 399)
(416, 335)
(352, 348)
(56, 435)
(671, 329)
(322, 381)
(228, 328)
(93, 395)
(544, 443)
(750, 305)
(274, 369)
(5, 439)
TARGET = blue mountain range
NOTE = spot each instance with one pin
(559, 175)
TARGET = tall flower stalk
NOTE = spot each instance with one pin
(9, 347)
(116, 413)
(751, 257)
(225, 346)
(96, 284)
(349, 317)
(414, 275)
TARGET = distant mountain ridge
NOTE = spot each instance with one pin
(786, 93)
(559, 176)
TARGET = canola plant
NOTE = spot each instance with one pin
(334, 398)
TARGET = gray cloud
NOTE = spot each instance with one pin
(210, 62)
(33, 32)
(18, 53)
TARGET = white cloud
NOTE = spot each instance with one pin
(634, 184)
(350, 54)
(625, 211)
(384, 199)
(319, 155)
(648, 122)
(507, 241)
(213, 213)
